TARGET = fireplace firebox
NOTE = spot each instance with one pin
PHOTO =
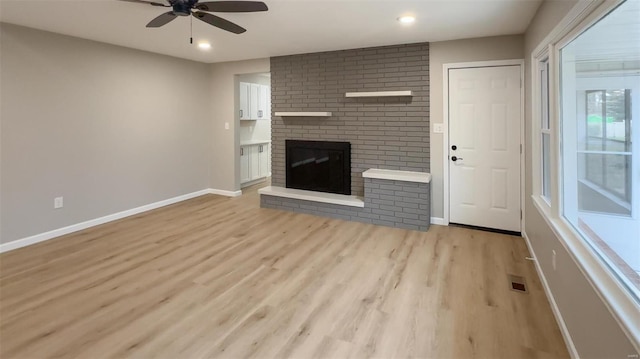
(321, 166)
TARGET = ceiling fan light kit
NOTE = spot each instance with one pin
(201, 12)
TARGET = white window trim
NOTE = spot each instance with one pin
(624, 308)
(537, 57)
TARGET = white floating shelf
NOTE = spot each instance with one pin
(406, 176)
(303, 114)
(379, 94)
(313, 196)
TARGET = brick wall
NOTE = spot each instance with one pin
(388, 133)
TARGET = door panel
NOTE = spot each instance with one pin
(245, 175)
(244, 101)
(264, 160)
(262, 104)
(254, 160)
(254, 101)
(499, 187)
(499, 127)
(467, 139)
(484, 125)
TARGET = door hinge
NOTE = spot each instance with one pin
(520, 214)
(521, 148)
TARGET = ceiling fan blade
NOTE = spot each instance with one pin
(148, 2)
(219, 22)
(163, 19)
(232, 6)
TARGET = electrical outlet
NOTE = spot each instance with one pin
(438, 128)
(226, 125)
(58, 202)
(553, 259)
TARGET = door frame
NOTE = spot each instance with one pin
(445, 123)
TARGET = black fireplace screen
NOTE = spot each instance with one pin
(321, 166)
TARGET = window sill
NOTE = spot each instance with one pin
(607, 194)
(625, 309)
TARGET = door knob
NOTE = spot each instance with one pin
(454, 158)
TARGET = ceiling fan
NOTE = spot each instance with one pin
(200, 10)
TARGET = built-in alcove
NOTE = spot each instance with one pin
(253, 116)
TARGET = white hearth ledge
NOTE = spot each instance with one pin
(406, 176)
(313, 196)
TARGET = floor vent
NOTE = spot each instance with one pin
(517, 283)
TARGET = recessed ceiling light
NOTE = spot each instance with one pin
(204, 46)
(407, 19)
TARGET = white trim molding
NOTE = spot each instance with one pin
(41, 237)
(439, 221)
(552, 301)
(224, 193)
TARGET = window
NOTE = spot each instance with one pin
(600, 141)
(607, 154)
(545, 131)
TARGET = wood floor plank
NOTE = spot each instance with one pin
(222, 277)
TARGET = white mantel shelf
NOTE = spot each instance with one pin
(303, 114)
(379, 94)
(322, 197)
(406, 176)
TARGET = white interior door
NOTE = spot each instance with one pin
(484, 147)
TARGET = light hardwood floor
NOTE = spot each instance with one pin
(221, 277)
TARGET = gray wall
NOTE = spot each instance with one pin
(225, 144)
(595, 332)
(468, 50)
(389, 133)
(108, 128)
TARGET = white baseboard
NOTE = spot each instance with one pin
(23, 242)
(252, 182)
(225, 193)
(554, 306)
(438, 221)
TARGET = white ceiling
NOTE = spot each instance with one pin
(289, 27)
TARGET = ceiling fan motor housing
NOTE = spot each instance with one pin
(183, 7)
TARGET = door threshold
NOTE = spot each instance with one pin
(485, 229)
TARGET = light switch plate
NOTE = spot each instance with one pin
(58, 202)
(438, 128)
(226, 125)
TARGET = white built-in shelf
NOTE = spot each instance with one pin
(379, 94)
(406, 176)
(314, 196)
(254, 142)
(303, 114)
